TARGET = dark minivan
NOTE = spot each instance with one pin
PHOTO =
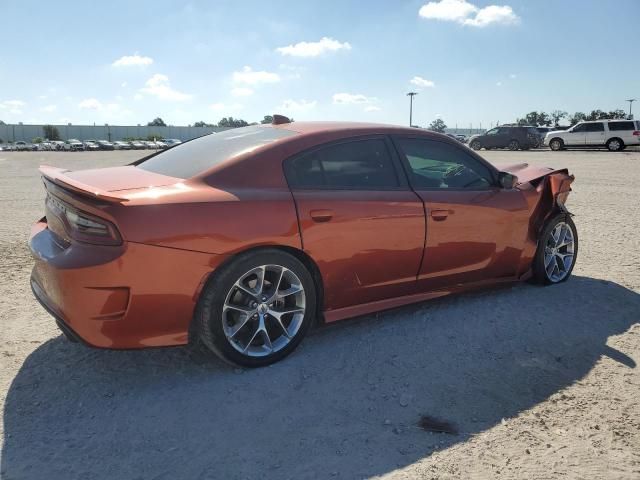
(511, 137)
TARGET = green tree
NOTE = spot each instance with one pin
(557, 115)
(267, 119)
(577, 117)
(154, 136)
(438, 125)
(203, 124)
(232, 122)
(51, 132)
(37, 140)
(157, 122)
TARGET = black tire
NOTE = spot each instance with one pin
(476, 145)
(209, 318)
(615, 145)
(556, 144)
(514, 145)
(540, 274)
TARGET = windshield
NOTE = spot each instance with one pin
(196, 156)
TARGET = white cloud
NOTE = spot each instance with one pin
(421, 82)
(241, 92)
(160, 87)
(350, 98)
(13, 107)
(90, 104)
(512, 75)
(223, 107)
(133, 61)
(49, 108)
(137, 96)
(466, 13)
(372, 108)
(498, 84)
(123, 84)
(297, 105)
(313, 49)
(249, 76)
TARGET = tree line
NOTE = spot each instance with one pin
(543, 119)
(228, 122)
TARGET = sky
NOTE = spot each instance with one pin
(472, 62)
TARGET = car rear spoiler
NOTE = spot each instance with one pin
(57, 176)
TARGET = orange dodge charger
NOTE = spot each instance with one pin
(241, 240)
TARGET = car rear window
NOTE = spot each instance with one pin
(357, 165)
(196, 156)
(621, 126)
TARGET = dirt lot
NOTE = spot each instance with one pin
(538, 382)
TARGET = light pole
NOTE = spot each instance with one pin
(411, 95)
(631, 100)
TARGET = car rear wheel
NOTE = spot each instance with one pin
(557, 251)
(476, 145)
(514, 145)
(615, 145)
(556, 144)
(257, 309)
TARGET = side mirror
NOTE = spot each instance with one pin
(507, 181)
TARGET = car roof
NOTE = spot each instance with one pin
(352, 127)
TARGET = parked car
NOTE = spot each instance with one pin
(91, 145)
(460, 137)
(511, 137)
(172, 141)
(313, 221)
(138, 145)
(74, 145)
(161, 144)
(22, 146)
(57, 145)
(151, 145)
(120, 145)
(456, 137)
(105, 145)
(615, 135)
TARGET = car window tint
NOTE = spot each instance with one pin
(579, 128)
(358, 165)
(197, 156)
(594, 127)
(493, 132)
(436, 164)
(617, 126)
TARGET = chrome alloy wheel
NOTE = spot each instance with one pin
(559, 252)
(264, 310)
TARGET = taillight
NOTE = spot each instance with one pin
(636, 133)
(82, 226)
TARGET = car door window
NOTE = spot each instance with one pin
(493, 132)
(579, 128)
(434, 164)
(357, 165)
(594, 127)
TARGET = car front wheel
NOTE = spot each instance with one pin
(257, 309)
(514, 145)
(557, 251)
(556, 144)
(476, 145)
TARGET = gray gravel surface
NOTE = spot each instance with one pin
(537, 382)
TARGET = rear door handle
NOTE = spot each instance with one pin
(321, 215)
(439, 215)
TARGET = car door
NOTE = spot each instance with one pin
(493, 137)
(359, 220)
(575, 136)
(594, 133)
(475, 230)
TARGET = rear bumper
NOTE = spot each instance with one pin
(130, 296)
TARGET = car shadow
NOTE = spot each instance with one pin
(345, 405)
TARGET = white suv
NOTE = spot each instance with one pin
(613, 134)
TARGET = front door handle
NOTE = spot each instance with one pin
(321, 215)
(439, 215)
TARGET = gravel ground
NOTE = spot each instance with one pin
(534, 382)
